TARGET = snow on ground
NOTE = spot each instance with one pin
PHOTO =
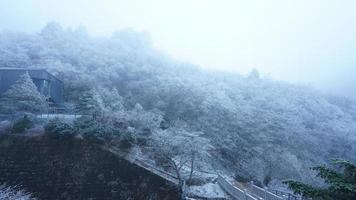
(66, 117)
(209, 190)
(4, 126)
(61, 116)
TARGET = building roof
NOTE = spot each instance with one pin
(29, 69)
(16, 68)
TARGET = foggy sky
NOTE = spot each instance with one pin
(312, 42)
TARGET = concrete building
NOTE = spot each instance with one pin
(47, 84)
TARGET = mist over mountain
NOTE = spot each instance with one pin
(300, 42)
(260, 128)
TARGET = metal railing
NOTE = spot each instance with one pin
(288, 196)
(157, 171)
(235, 192)
(263, 193)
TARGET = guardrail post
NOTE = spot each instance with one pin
(245, 194)
(183, 190)
(265, 190)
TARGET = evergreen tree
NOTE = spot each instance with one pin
(254, 74)
(23, 96)
(111, 100)
(14, 193)
(341, 184)
(90, 103)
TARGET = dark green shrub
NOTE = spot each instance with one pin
(126, 140)
(340, 182)
(22, 124)
(243, 178)
(267, 179)
(196, 181)
(90, 129)
(58, 127)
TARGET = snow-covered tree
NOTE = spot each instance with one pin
(171, 150)
(177, 148)
(142, 119)
(23, 96)
(242, 116)
(112, 101)
(254, 74)
(90, 103)
(11, 193)
(199, 149)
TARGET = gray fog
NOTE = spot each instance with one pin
(308, 42)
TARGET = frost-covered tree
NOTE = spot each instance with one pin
(142, 119)
(23, 96)
(12, 193)
(172, 152)
(111, 100)
(90, 103)
(340, 184)
(177, 148)
(12, 51)
(254, 74)
(199, 149)
(243, 117)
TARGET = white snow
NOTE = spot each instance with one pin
(209, 190)
(61, 116)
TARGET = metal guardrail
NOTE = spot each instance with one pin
(263, 193)
(234, 191)
(288, 196)
(141, 163)
(268, 194)
(253, 192)
(158, 172)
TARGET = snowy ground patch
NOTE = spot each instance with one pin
(65, 117)
(209, 190)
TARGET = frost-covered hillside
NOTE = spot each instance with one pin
(260, 129)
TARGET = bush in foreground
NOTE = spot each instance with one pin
(341, 184)
(11, 193)
(58, 127)
(22, 124)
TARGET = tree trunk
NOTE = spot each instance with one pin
(191, 168)
(180, 183)
(182, 197)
